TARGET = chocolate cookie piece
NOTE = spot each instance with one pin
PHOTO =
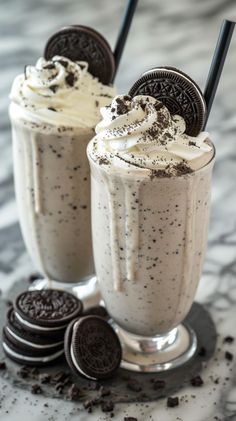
(229, 339)
(74, 393)
(202, 351)
(172, 402)
(3, 365)
(32, 341)
(130, 419)
(158, 384)
(81, 43)
(36, 389)
(196, 381)
(24, 356)
(46, 311)
(229, 356)
(92, 348)
(178, 92)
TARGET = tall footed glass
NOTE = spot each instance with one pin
(149, 240)
(53, 120)
(52, 185)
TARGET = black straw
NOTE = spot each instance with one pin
(217, 63)
(123, 32)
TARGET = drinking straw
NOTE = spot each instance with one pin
(123, 32)
(217, 63)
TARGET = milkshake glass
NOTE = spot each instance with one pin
(54, 109)
(150, 211)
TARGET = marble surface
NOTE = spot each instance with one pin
(181, 34)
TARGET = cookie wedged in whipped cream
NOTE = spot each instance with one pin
(140, 132)
(59, 91)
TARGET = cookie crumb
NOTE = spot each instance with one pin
(88, 404)
(130, 419)
(196, 381)
(229, 356)
(107, 406)
(36, 389)
(202, 351)
(229, 339)
(172, 402)
(44, 378)
(134, 385)
(159, 384)
(3, 365)
(73, 393)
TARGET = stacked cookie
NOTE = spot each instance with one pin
(42, 325)
(35, 326)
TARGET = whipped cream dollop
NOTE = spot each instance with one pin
(59, 91)
(140, 131)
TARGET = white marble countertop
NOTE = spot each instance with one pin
(181, 34)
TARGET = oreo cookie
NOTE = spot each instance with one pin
(92, 348)
(46, 312)
(81, 43)
(30, 348)
(178, 92)
(28, 340)
(22, 355)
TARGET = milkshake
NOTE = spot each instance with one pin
(150, 206)
(54, 109)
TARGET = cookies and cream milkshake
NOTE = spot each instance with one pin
(150, 205)
(54, 109)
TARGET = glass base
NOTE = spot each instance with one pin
(158, 353)
(87, 290)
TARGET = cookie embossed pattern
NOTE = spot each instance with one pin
(178, 92)
(81, 43)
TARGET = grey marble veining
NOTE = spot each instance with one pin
(178, 33)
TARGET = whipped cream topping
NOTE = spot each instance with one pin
(60, 92)
(140, 131)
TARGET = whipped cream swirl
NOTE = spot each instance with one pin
(142, 132)
(59, 91)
